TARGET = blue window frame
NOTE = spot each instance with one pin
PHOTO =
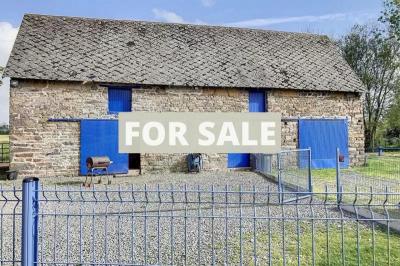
(119, 99)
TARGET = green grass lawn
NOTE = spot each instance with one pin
(387, 166)
(4, 148)
(4, 138)
(324, 179)
(382, 167)
(332, 245)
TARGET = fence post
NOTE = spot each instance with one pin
(30, 216)
(380, 151)
(280, 189)
(310, 187)
(338, 183)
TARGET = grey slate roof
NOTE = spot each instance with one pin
(114, 51)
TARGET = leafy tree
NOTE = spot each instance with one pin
(1, 74)
(392, 119)
(391, 17)
(374, 56)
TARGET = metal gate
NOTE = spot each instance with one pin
(291, 169)
(294, 174)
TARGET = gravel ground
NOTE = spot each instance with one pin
(138, 220)
(203, 178)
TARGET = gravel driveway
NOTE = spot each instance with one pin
(211, 217)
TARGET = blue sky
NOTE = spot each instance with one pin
(331, 17)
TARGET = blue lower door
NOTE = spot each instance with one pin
(256, 104)
(236, 160)
(323, 136)
(100, 138)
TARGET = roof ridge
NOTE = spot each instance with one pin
(227, 27)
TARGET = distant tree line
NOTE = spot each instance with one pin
(1, 74)
(4, 130)
(373, 51)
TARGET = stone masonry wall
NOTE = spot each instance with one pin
(162, 99)
(43, 148)
(293, 104)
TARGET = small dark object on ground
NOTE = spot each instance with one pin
(95, 165)
(11, 175)
(98, 162)
(195, 162)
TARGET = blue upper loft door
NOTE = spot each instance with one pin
(256, 104)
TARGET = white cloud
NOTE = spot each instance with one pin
(208, 3)
(4, 99)
(199, 22)
(172, 17)
(7, 38)
(167, 16)
(272, 21)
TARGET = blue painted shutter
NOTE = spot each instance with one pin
(256, 101)
(256, 104)
(119, 99)
(323, 136)
(100, 138)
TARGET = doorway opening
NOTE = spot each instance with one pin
(134, 161)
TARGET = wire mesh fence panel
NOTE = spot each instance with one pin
(294, 173)
(10, 225)
(207, 225)
(267, 164)
(290, 169)
(188, 225)
(380, 172)
(148, 225)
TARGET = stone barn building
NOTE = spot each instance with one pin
(69, 75)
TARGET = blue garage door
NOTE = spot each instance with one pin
(100, 138)
(256, 104)
(324, 136)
